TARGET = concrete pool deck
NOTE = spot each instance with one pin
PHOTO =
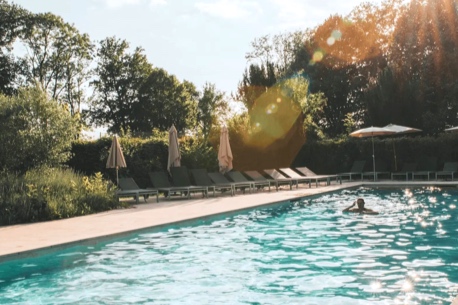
(20, 241)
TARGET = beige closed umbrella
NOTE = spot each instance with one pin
(224, 153)
(174, 149)
(116, 157)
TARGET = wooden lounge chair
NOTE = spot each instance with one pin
(219, 178)
(282, 179)
(356, 170)
(288, 172)
(305, 171)
(449, 170)
(257, 176)
(380, 169)
(406, 170)
(427, 167)
(237, 176)
(129, 188)
(160, 181)
(200, 177)
(180, 178)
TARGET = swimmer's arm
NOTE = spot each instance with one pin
(348, 209)
(370, 212)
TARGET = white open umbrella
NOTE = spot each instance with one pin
(224, 151)
(372, 132)
(174, 149)
(399, 129)
(116, 157)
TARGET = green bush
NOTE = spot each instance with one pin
(51, 193)
(333, 156)
(142, 156)
(35, 131)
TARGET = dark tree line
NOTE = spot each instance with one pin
(123, 92)
(393, 63)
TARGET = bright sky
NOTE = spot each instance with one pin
(197, 40)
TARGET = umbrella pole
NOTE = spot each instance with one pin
(117, 179)
(395, 159)
(373, 156)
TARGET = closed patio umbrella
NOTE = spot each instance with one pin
(224, 151)
(174, 149)
(116, 157)
(399, 129)
(372, 132)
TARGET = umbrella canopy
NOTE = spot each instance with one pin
(399, 129)
(224, 152)
(452, 129)
(174, 149)
(372, 132)
(116, 157)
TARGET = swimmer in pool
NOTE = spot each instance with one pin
(360, 209)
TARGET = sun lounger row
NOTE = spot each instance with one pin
(183, 182)
(410, 170)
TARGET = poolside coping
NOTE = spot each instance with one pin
(25, 240)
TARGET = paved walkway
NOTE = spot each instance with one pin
(21, 240)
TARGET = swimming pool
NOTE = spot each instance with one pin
(306, 252)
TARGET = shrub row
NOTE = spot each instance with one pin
(335, 156)
(141, 155)
(52, 193)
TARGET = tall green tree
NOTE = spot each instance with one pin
(163, 101)
(211, 107)
(57, 59)
(13, 21)
(424, 54)
(119, 75)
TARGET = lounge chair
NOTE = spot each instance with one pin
(129, 188)
(258, 177)
(380, 169)
(282, 179)
(290, 173)
(237, 176)
(305, 171)
(449, 170)
(219, 178)
(356, 170)
(180, 178)
(160, 181)
(406, 170)
(427, 167)
(201, 177)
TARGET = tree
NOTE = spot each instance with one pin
(424, 53)
(256, 81)
(119, 76)
(163, 101)
(14, 19)
(212, 105)
(57, 59)
(35, 131)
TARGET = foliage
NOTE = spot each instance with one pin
(334, 156)
(118, 78)
(163, 101)
(211, 107)
(47, 194)
(35, 131)
(57, 59)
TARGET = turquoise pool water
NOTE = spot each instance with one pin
(306, 252)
